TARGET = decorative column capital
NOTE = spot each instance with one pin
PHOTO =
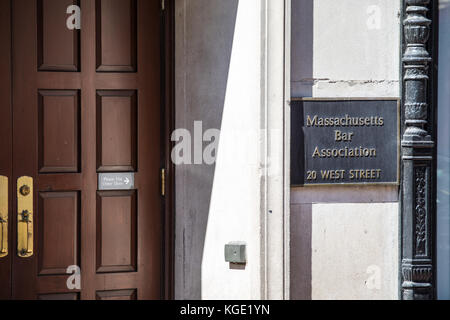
(415, 61)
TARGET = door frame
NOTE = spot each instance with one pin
(168, 118)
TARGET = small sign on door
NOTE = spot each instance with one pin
(116, 181)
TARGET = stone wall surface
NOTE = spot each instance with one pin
(343, 238)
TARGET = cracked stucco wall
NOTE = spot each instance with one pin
(345, 48)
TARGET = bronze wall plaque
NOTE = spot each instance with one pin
(344, 141)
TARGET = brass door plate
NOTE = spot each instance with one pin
(3, 216)
(25, 217)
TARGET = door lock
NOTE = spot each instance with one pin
(24, 190)
(25, 216)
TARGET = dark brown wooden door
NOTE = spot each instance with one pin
(86, 102)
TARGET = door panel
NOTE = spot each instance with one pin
(117, 295)
(58, 240)
(116, 231)
(116, 49)
(60, 296)
(116, 130)
(87, 102)
(59, 128)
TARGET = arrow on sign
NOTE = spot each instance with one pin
(127, 181)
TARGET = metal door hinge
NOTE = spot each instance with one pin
(163, 182)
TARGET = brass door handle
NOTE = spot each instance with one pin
(25, 217)
(4, 237)
(3, 217)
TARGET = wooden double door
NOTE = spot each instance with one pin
(76, 103)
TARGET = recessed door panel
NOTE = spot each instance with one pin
(116, 130)
(59, 143)
(59, 296)
(59, 229)
(117, 295)
(116, 35)
(116, 231)
(58, 47)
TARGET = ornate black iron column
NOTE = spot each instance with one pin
(418, 150)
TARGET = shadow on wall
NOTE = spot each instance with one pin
(302, 48)
(204, 39)
(301, 86)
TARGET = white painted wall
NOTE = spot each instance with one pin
(359, 246)
(234, 213)
(203, 43)
(356, 52)
(347, 48)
